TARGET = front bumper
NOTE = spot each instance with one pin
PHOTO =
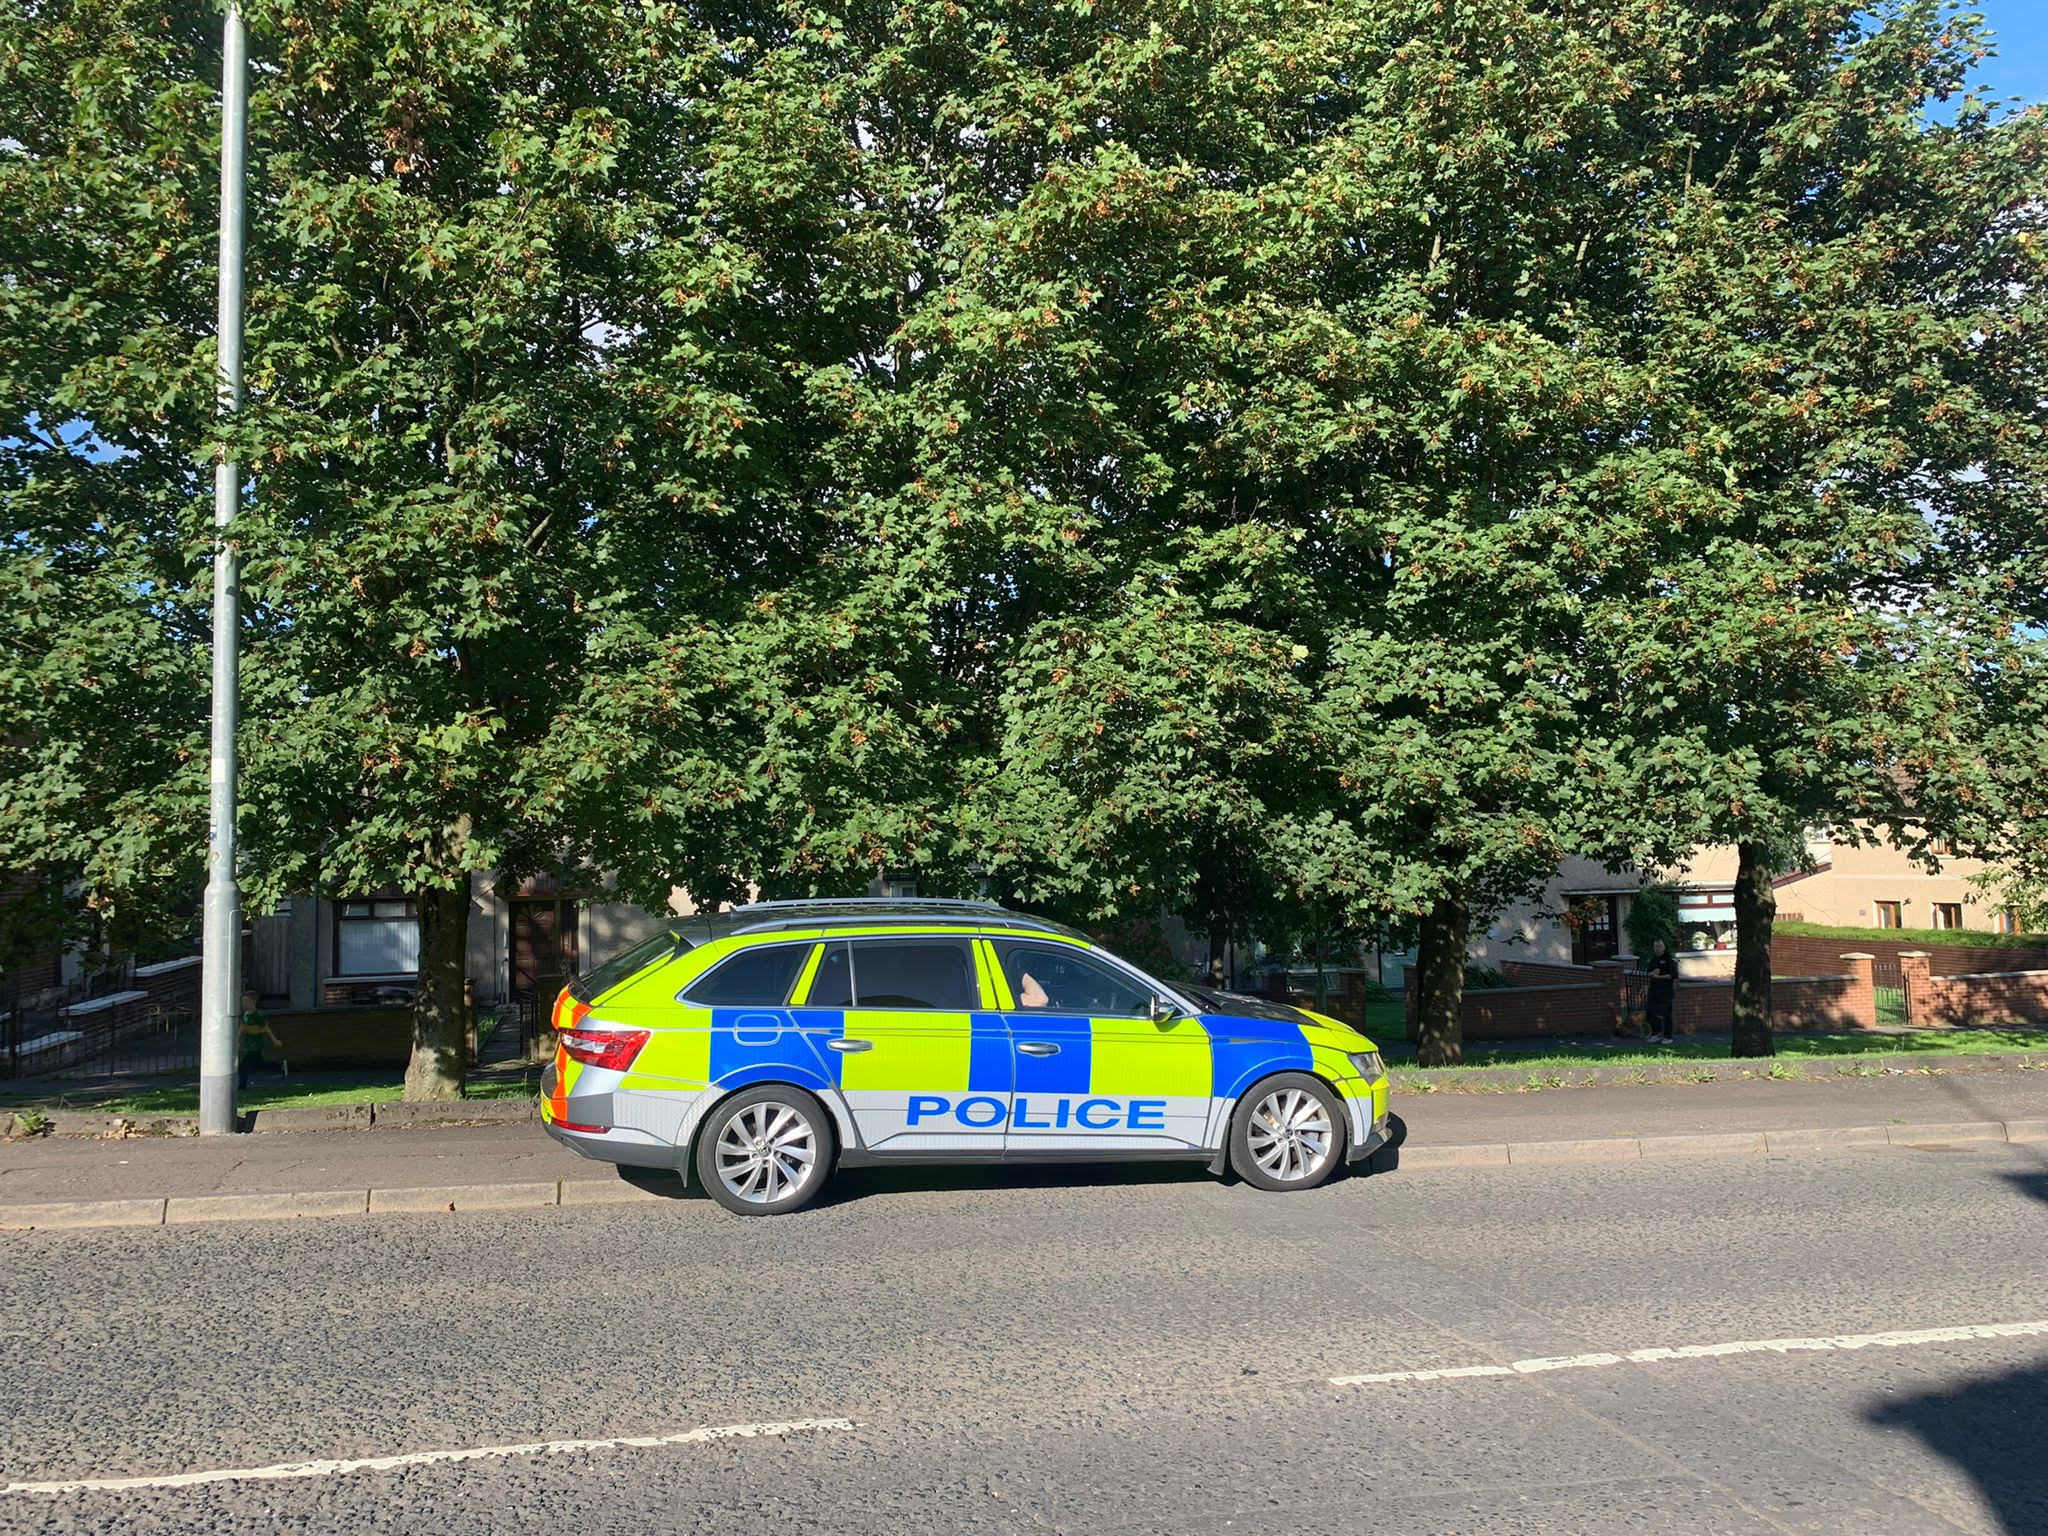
(1368, 1124)
(1364, 1146)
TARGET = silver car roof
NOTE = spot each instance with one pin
(878, 911)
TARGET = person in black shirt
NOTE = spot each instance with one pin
(1663, 994)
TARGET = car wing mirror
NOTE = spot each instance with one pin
(1162, 1011)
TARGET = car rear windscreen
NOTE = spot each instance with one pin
(594, 983)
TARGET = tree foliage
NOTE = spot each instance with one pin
(1307, 467)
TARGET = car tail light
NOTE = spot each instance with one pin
(611, 1049)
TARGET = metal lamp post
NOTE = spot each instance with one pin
(221, 965)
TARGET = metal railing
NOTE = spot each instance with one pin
(94, 1025)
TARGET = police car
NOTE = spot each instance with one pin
(759, 1049)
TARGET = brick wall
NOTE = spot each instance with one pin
(1538, 973)
(1522, 1013)
(1991, 997)
(1819, 1002)
(1702, 1006)
(1799, 954)
(342, 1037)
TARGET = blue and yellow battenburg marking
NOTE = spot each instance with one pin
(1001, 1075)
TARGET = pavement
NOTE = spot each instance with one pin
(1850, 1342)
(147, 1181)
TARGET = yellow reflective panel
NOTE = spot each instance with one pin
(679, 1051)
(809, 974)
(995, 987)
(1138, 1058)
(915, 1051)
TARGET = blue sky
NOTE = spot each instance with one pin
(2021, 68)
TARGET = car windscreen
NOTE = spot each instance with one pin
(594, 983)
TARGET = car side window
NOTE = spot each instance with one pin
(1058, 979)
(915, 973)
(832, 984)
(753, 978)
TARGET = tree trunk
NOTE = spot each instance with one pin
(439, 1027)
(1756, 905)
(1440, 973)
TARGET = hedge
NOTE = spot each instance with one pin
(1953, 938)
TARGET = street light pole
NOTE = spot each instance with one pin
(221, 964)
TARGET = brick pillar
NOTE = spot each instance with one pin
(1860, 1002)
(1914, 972)
(1609, 974)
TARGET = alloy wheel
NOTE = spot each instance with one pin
(765, 1151)
(1291, 1135)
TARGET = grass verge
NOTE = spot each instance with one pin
(184, 1099)
(1709, 1058)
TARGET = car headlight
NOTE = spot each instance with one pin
(1370, 1065)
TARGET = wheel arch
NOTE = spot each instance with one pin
(780, 1075)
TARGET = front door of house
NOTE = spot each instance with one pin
(1595, 933)
(544, 943)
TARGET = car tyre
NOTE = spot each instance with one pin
(1288, 1133)
(766, 1151)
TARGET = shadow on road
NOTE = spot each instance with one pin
(2035, 1184)
(1990, 1429)
(850, 1184)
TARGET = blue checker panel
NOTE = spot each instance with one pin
(819, 1025)
(1068, 1071)
(1240, 1063)
(755, 1037)
(988, 1055)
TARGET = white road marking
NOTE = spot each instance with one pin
(1659, 1354)
(293, 1469)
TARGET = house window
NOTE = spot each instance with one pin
(2004, 920)
(1948, 914)
(1706, 918)
(1891, 914)
(376, 936)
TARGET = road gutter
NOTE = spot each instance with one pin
(456, 1199)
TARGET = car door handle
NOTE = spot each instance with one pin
(1039, 1048)
(849, 1046)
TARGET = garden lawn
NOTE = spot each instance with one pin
(184, 1099)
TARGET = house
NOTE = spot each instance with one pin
(525, 937)
(1580, 916)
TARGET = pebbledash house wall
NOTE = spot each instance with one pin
(304, 931)
(1843, 889)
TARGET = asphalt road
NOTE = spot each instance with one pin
(1098, 1353)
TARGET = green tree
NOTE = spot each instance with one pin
(102, 688)
(1265, 460)
(1617, 420)
(1845, 431)
(534, 305)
